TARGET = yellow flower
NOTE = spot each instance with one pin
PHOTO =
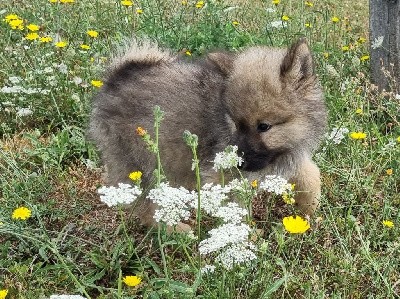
(92, 33)
(97, 83)
(140, 131)
(288, 199)
(398, 139)
(389, 171)
(235, 23)
(295, 225)
(309, 4)
(188, 53)
(254, 184)
(135, 176)
(364, 57)
(53, 1)
(16, 24)
(362, 40)
(139, 11)
(67, 1)
(199, 4)
(345, 48)
(132, 281)
(285, 18)
(45, 39)
(326, 55)
(359, 111)
(3, 294)
(184, 2)
(276, 2)
(33, 27)
(335, 19)
(61, 44)
(308, 25)
(388, 223)
(22, 213)
(32, 36)
(126, 3)
(11, 17)
(358, 135)
(85, 47)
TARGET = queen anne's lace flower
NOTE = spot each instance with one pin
(275, 184)
(236, 254)
(207, 269)
(124, 194)
(231, 213)
(66, 297)
(173, 203)
(337, 135)
(212, 197)
(227, 159)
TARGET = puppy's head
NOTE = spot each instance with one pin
(274, 102)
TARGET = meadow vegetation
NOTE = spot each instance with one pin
(57, 237)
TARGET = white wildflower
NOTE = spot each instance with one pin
(207, 269)
(48, 70)
(14, 80)
(211, 197)
(330, 69)
(277, 24)
(389, 146)
(77, 80)
(241, 186)
(227, 159)
(62, 68)
(230, 8)
(11, 89)
(21, 112)
(275, 184)
(231, 213)
(173, 203)
(123, 194)
(236, 254)
(66, 297)
(223, 236)
(377, 43)
(337, 135)
(397, 97)
(270, 10)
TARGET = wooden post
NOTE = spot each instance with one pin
(384, 21)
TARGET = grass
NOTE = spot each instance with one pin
(73, 244)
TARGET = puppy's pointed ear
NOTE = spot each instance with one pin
(298, 63)
(223, 60)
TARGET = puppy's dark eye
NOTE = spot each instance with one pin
(263, 127)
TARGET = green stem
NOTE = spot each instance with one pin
(160, 244)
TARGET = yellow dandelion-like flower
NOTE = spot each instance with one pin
(359, 111)
(308, 3)
(22, 213)
(292, 186)
(67, 1)
(32, 36)
(127, 3)
(358, 135)
(276, 2)
(326, 55)
(53, 1)
(335, 19)
(139, 11)
(84, 47)
(254, 184)
(184, 2)
(45, 39)
(362, 40)
(140, 131)
(199, 4)
(308, 25)
(135, 176)
(3, 294)
(389, 171)
(364, 57)
(132, 281)
(398, 139)
(285, 18)
(16, 24)
(97, 83)
(61, 44)
(235, 23)
(11, 17)
(288, 199)
(388, 223)
(33, 27)
(188, 53)
(345, 48)
(92, 33)
(295, 225)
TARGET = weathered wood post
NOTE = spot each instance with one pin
(384, 21)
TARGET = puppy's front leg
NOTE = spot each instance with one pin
(308, 186)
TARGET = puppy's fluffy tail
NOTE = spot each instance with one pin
(143, 52)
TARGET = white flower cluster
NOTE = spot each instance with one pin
(337, 135)
(124, 194)
(231, 213)
(227, 159)
(237, 254)
(377, 43)
(66, 297)
(275, 184)
(278, 24)
(207, 269)
(173, 203)
(21, 112)
(242, 186)
(20, 89)
(211, 198)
